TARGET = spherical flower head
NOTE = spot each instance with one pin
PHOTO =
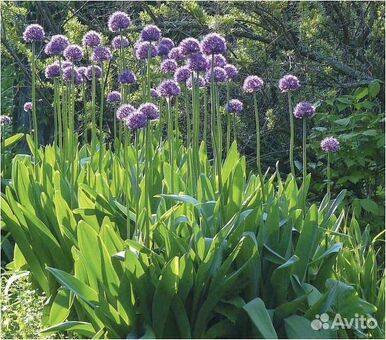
(136, 120)
(125, 111)
(6, 120)
(91, 39)
(28, 107)
(52, 71)
(231, 71)
(330, 144)
(154, 93)
(289, 83)
(182, 74)
(101, 54)
(150, 110)
(33, 33)
(235, 106)
(304, 110)
(167, 42)
(119, 21)
(176, 54)
(168, 66)
(97, 72)
(150, 33)
(219, 75)
(82, 70)
(219, 60)
(71, 74)
(253, 84)
(114, 97)
(189, 46)
(198, 63)
(213, 43)
(127, 77)
(73, 53)
(56, 45)
(169, 88)
(66, 64)
(142, 50)
(199, 81)
(120, 42)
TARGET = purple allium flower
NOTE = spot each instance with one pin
(304, 110)
(119, 21)
(150, 33)
(71, 74)
(219, 60)
(234, 106)
(189, 46)
(231, 71)
(219, 75)
(169, 43)
(56, 45)
(182, 74)
(97, 72)
(120, 42)
(52, 71)
(142, 49)
(127, 77)
(82, 70)
(197, 62)
(162, 50)
(28, 106)
(136, 120)
(200, 81)
(176, 54)
(73, 53)
(91, 39)
(213, 43)
(6, 120)
(66, 64)
(330, 144)
(253, 84)
(150, 110)
(101, 54)
(168, 66)
(124, 111)
(289, 83)
(33, 33)
(168, 88)
(154, 93)
(114, 97)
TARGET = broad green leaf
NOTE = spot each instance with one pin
(83, 328)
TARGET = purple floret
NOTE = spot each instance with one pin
(56, 45)
(235, 106)
(150, 110)
(189, 46)
(101, 54)
(289, 83)
(253, 84)
(142, 50)
(150, 33)
(176, 54)
(167, 42)
(127, 77)
(219, 60)
(52, 71)
(33, 33)
(231, 71)
(71, 74)
(119, 21)
(198, 63)
(82, 70)
(97, 72)
(114, 97)
(73, 53)
(28, 106)
(200, 82)
(304, 110)
(124, 111)
(120, 42)
(219, 75)
(330, 144)
(168, 66)
(154, 93)
(6, 120)
(91, 39)
(169, 88)
(136, 120)
(182, 74)
(66, 64)
(213, 43)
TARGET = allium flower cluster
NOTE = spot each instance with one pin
(150, 110)
(82, 70)
(182, 74)
(231, 71)
(136, 120)
(189, 46)
(176, 54)
(33, 33)
(73, 53)
(93, 68)
(71, 74)
(91, 39)
(197, 62)
(169, 88)
(56, 45)
(125, 111)
(304, 110)
(101, 54)
(114, 97)
(120, 42)
(6, 120)
(168, 66)
(142, 50)
(234, 106)
(330, 144)
(52, 71)
(27, 107)
(219, 60)
(289, 83)
(219, 75)
(66, 64)
(165, 45)
(150, 33)
(213, 43)
(119, 21)
(127, 77)
(253, 84)
(199, 81)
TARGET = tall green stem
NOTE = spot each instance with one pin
(292, 135)
(187, 112)
(170, 145)
(258, 148)
(304, 161)
(205, 117)
(35, 122)
(93, 111)
(127, 185)
(228, 140)
(328, 174)
(101, 120)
